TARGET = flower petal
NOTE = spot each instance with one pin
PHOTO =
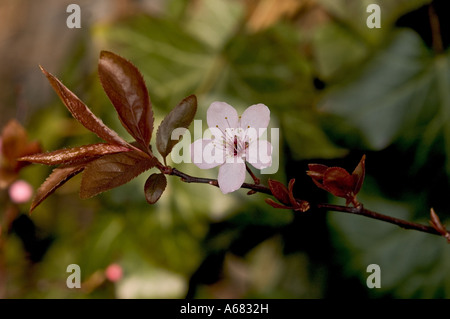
(259, 154)
(205, 155)
(231, 177)
(222, 116)
(257, 117)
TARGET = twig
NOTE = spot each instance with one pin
(371, 214)
(360, 210)
(436, 37)
(191, 179)
(255, 179)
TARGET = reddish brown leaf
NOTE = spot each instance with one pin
(358, 175)
(56, 179)
(180, 117)
(154, 187)
(297, 205)
(291, 192)
(274, 204)
(338, 181)
(316, 172)
(125, 87)
(110, 171)
(15, 144)
(14, 137)
(279, 191)
(75, 154)
(285, 196)
(436, 223)
(82, 113)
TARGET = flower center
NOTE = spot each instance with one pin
(237, 144)
(234, 141)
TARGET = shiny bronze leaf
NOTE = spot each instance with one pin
(154, 187)
(338, 181)
(316, 172)
(274, 204)
(75, 154)
(125, 87)
(359, 174)
(110, 171)
(291, 192)
(437, 224)
(56, 179)
(286, 196)
(279, 191)
(180, 117)
(82, 113)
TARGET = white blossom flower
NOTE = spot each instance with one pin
(234, 141)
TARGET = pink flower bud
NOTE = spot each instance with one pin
(20, 192)
(113, 272)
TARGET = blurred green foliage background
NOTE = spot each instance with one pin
(335, 88)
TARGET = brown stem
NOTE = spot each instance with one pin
(360, 210)
(371, 214)
(255, 179)
(191, 179)
(436, 37)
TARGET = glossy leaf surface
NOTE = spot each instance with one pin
(154, 187)
(113, 170)
(125, 87)
(75, 154)
(279, 191)
(180, 117)
(82, 113)
(55, 180)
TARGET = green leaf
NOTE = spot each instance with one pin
(336, 50)
(125, 87)
(354, 14)
(214, 21)
(154, 187)
(180, 117)
(171, 59)
(113, 170)
(306, 138)
(413, 264)
(392, 95)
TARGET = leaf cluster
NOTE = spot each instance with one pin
(115, 162)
